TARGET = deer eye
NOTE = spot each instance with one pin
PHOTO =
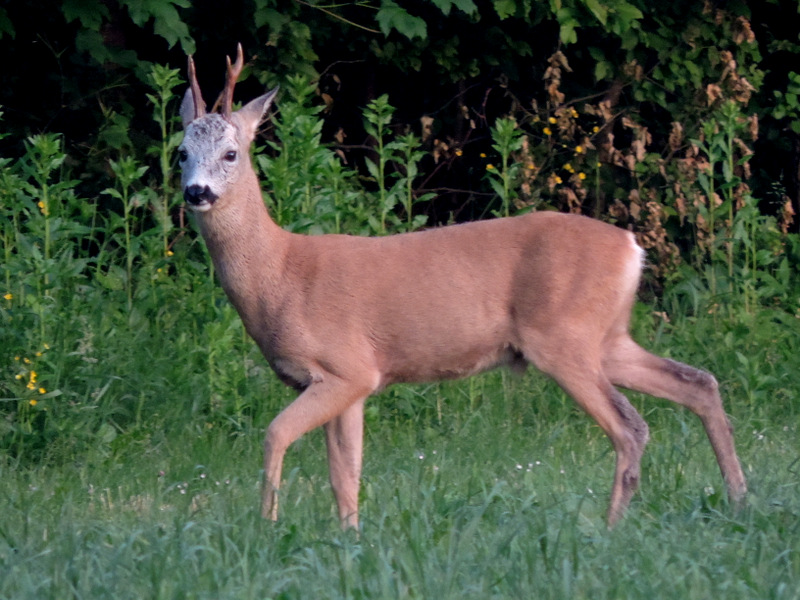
(183, 155)
(230, 156)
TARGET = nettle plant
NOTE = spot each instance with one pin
(327, 195)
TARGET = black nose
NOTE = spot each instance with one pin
(199, 194)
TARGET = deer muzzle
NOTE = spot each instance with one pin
(199, 197)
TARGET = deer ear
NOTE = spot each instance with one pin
(188, 111)
(252, 114)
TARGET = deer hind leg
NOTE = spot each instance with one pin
(328, 398)
(345, 438)
(630, 366)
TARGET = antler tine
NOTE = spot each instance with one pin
(197, 97)
(233, 74)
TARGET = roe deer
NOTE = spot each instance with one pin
(340, 317)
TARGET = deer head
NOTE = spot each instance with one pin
(215, 153)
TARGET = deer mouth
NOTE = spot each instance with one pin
(199, 197)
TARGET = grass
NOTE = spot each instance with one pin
(505, 501)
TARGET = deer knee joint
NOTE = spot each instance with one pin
(634, 422)
(691, 375)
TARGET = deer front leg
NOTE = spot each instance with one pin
(327, 399)
(345, 438)
(624, 426)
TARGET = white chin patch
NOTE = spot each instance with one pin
(202, 207)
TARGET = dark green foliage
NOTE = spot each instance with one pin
(82, 68)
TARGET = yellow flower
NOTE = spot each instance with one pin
(47, 346)
(573, 112)
(170, 253)
(547, 131)
(552, 120)
(27, 361)
(33, 376)
(9, 296)
(595, 129)
(569, 167)
(557, 179)
(31, 385)
(578, 149)
(33, 402)
(489, 167)
(38, 354)
(16, 358)
(18, 376)
(42, 391)
(483, 154)
(459, 152)
(581, 175)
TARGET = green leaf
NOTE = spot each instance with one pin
(114, 280)
(91, 42)
(419, 221)
(112, 192)
(505, 8)
(497, 186)
(601, 70)
(391, 16)
(467, 6)
(627, 14)
(567, 32)
(6, 26)
(90, 14)
(599, 11)
(169, 26)
(274, 19)
(167, 22)
(372, 168)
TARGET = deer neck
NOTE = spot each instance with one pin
(248, 249)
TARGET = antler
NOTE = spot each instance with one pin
(197, 97)
(233, 74)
